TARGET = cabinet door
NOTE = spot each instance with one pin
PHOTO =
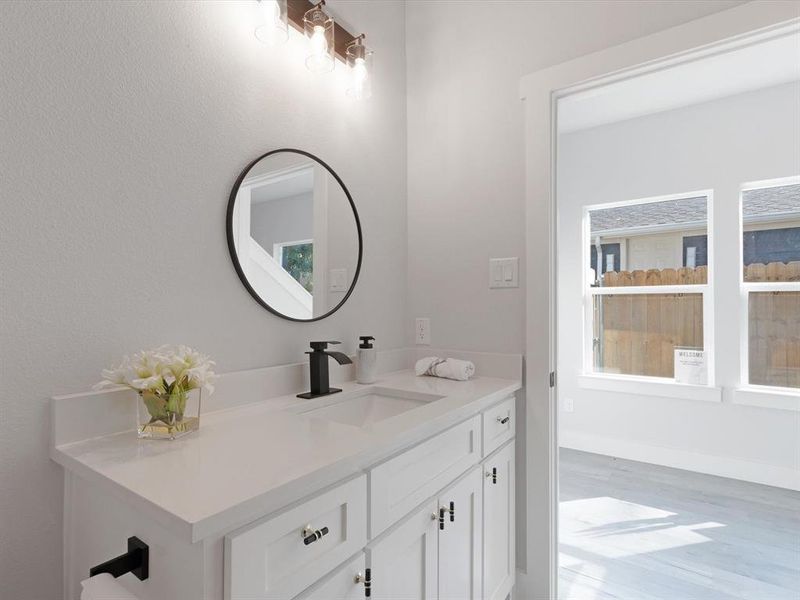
(499, 562)
(341, 585)
(403, 564)
(460, 539)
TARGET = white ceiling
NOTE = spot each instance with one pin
(284, 186)
(759, 66)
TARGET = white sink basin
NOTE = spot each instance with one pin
(370, 405)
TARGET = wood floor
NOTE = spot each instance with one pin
(635, 531)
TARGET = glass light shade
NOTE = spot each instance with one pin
(359, 59)
(274, 29)
(318, 27)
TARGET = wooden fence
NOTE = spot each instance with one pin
(640, 332)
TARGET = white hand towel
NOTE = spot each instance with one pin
(104, 587)
(449, 368)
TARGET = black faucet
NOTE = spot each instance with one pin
(318, 361)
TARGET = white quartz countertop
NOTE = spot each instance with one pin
(249, 461)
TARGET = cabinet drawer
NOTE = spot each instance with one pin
(270, 560)
(498, 425)
(405, 481)
(340, 585)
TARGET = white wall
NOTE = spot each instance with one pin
(717, 145)
(466, 146)
(466, 172)
(124, 127)
(282, 220)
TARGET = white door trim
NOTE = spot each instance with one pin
(721, 32)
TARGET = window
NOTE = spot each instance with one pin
(297, 259)
(771, 283)
(651, 297)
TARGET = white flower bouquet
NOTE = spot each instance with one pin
(164, 378)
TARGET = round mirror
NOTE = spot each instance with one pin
(294, 235)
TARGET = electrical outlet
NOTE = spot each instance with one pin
(567, 405)
(422, 332)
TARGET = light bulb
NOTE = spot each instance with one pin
(319, 29)
(274, 30)
(319, 60)
(360, 75)
(360, 60)
(271, 10)
(319, 45)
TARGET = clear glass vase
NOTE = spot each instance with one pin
(168, 416)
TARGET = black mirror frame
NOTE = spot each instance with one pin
(232, 247)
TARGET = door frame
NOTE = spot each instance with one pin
(714, 34)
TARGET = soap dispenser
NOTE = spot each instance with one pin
(367, 363)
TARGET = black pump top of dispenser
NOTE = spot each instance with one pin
(366, 341)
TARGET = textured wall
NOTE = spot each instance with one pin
(466, 145)
(123, 127)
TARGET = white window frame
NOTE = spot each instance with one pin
(657, 386)
(756, 394)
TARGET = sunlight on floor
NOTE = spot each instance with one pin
(614, 528)
(634, 531)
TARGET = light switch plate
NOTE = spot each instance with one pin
(422, 331)
(338, 279)
(504, 272)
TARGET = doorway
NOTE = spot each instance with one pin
(674, 482)
(542, 92)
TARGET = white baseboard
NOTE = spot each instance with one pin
(732, 468)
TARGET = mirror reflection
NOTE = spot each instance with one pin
(295, 235)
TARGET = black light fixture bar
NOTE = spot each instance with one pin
(342, 38)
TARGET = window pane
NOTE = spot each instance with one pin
(298, 260)
(774, 338)
(652, 243)
(637, 334)
(771, 237)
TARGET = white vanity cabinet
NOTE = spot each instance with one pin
(277, 557)
(461, 539)
(403, 563)
(441, 527)
(402, 510)
(499, 561)
(435, 553)
(346, 583)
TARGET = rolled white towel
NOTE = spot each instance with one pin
(449, 368)
(104, 587)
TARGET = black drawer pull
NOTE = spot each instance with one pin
(442, 510)
(312, 535)
(503, 420)
(367, 582)
(452, 512)
(492, 474)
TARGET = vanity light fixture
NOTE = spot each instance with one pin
(327, 40)
(275, 28)
(319, 29)
(359, 59)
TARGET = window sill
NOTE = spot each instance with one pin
(650, 386)
(766, 397)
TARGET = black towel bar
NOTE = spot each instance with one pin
(136, 560)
